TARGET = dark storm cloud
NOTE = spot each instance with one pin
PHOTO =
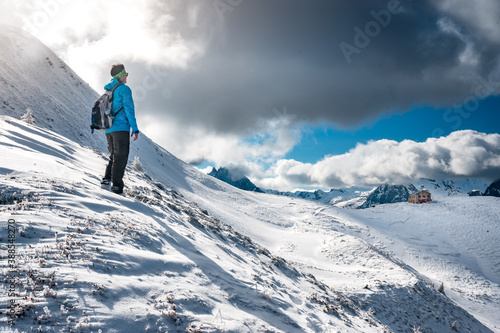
(264, 55)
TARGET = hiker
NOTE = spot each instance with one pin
(118, 134)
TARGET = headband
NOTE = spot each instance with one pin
(120, 75)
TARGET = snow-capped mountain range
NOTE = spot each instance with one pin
(362, 197)
(332, 197)
(183, 251)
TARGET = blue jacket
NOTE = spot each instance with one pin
(125, 119)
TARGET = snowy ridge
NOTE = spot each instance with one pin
(161, 262)
(337, 197)
(157, 259)
(32, 76)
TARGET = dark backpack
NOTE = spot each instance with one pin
(102, 116)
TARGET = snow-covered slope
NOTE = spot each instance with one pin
(32, 76)
(451, 242)
(88, 259)
(184, 246)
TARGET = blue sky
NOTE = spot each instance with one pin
(417, 125)
(284, 89)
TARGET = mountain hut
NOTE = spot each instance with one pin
(420, 197)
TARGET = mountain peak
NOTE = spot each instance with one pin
(235, 177)
(494, 189)
(389, 194)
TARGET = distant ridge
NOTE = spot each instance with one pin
(388, 194)
(494, 189)
(363, 197)
(234, 177)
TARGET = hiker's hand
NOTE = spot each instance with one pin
(136, 136)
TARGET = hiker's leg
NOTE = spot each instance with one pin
(121, 147)
(109, 167)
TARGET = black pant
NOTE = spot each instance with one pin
(118, 146)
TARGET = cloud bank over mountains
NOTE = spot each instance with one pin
(462, 154)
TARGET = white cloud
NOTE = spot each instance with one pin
(91, 35)
(206, 170)
(192, 144)
(461, 154)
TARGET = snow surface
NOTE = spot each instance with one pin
(32, 76)
(183, 251)
(88, 259)
(154, 260)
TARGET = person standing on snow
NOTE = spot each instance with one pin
(118, 134)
